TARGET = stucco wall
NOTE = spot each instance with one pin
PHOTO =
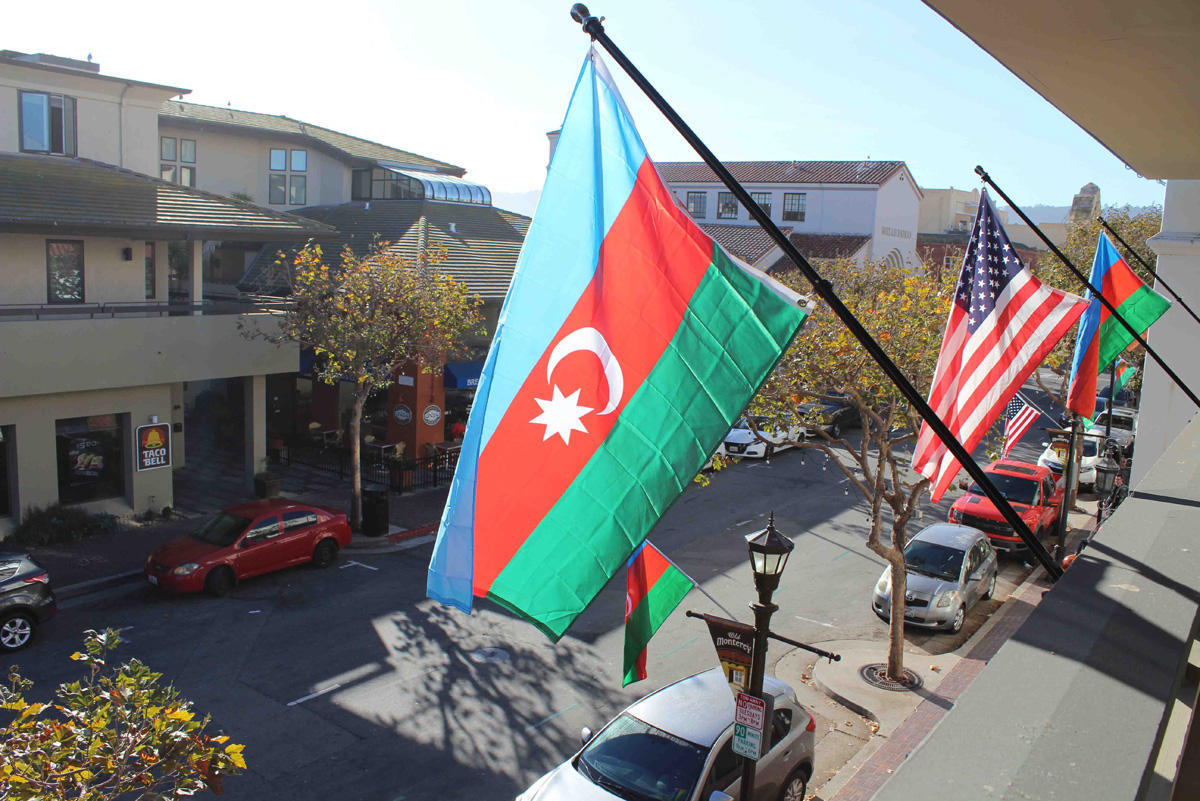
(36, 454)
(228, 162)
(116, 122)
(107, 276)
(829, 210)
(896, 215)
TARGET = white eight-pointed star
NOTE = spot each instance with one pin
(561, 415)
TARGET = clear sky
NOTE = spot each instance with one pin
(479, 84)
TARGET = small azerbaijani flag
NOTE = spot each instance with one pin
(653, 588)
(1018, 417)
(1125, 372)
(627, 346)
(1101, 337)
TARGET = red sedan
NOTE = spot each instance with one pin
(249, 540)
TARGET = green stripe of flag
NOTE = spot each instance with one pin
(732, 334)
(1140, 309)
(647, 616)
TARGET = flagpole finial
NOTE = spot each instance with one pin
(981, 172)
(591, 25)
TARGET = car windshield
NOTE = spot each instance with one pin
(933, 559)
(637, 761)
(1118, 421)
(1013, 488)
(743, 423)
(224, 529)
(1090, 447)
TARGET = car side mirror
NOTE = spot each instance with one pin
(585, 735)
(717, 795)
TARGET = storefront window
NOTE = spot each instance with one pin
(91, 458)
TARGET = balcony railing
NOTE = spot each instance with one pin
(150, 308)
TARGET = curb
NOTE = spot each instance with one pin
(856, 708)
(95, 585)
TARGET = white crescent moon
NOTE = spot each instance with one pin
(591, 340)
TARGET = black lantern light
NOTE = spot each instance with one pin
(768, 554)
(1106, 476)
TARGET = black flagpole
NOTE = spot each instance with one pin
(1087, 283)
(1158, 279)
(594, 28)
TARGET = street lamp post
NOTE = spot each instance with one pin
(769, 551)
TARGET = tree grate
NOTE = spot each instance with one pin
(875, 674)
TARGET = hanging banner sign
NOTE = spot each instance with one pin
(735, 649)
(153, 446)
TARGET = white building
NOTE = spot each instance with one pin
(879, 200)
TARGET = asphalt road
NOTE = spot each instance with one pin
(348, 683)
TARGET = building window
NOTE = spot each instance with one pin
(794, 205)
(167, 148)
(151, 278)
(278, 158)
(64, 271)
(278, 189)
(187, 151)
(727, 206)
(763, 199)
(297, 190)
(47, 123)
(183, 150)
(91, 458)
(187, 176)
(299, 161)
(697, 204)
(167, 173)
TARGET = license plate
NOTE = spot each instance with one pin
(153, 580)
(734, 448)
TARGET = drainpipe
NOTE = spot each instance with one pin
(120, 129)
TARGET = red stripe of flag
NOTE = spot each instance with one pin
(646, 567)
(650, 263)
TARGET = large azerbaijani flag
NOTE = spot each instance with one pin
(1101, 337)
(627, 345)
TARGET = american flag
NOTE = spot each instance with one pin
(1002, 324)
(1018, 417)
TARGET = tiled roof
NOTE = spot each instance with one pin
(79, 196)
(782, 172)
(747, 242)
(351, 146)
(481, 251)
(822, 246)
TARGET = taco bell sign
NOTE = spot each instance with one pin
(153, 446)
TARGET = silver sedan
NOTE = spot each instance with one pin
(676, 745)
(950, 568)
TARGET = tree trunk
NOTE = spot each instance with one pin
(360, 397)
(895, 669)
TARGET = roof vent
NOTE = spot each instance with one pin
(454, 228)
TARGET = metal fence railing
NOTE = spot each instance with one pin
(398, 474)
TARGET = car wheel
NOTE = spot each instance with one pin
(16, 630)
(796, 786)
(219, 581)
(960, 616)
(991, 590)
(325, 553)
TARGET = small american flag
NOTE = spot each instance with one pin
(1003, 322)
(1018, 417)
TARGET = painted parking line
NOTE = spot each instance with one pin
(743, 522)
(311, 696)
(353, 563)
(840, 555)
(681, 647)
(549, 718)
(818, 622)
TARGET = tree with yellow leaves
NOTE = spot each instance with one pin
(370, 314)
(117, 733)
(906, 312)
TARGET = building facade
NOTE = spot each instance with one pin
(103, 321)
(878, 200)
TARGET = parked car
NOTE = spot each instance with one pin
(249, 540)
(26, 599)
(1124, 426)
(742, 441)
(676, 744)
(948, 569)
(1033, 491)
(1055, 456)
(833, 416)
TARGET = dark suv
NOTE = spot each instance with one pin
(26, 600)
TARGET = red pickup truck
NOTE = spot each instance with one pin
(1032, 490)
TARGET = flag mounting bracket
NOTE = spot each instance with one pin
(593, 26)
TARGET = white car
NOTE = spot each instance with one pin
(741, 440)
(676, 744)
(1124, 426)
(1055, 456)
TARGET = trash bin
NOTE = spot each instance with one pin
(374, 513)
